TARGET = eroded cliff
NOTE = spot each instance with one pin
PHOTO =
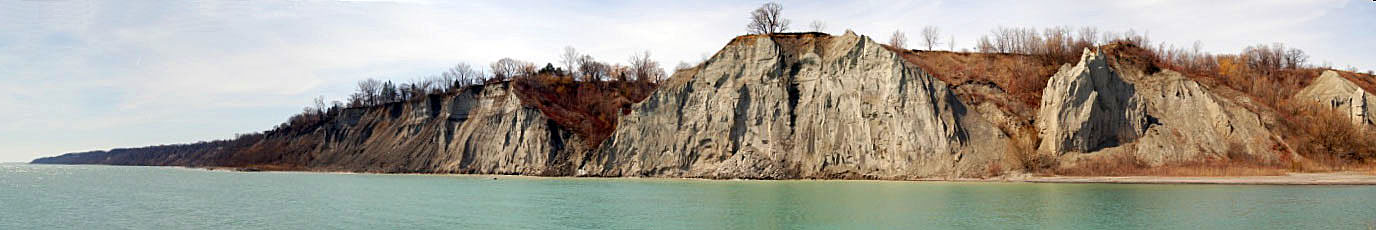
(800, 106)
(1103, 107)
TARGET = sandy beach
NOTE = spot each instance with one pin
(1335, 178)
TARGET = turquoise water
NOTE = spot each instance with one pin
(111, 197)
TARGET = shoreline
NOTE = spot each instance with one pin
(1325, 178)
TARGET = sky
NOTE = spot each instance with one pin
(94, 75)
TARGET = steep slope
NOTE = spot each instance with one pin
(1106, 107)
(1335, 92)
(800, 106)
(481, 129)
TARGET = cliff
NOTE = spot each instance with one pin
(1103, 106)
(1332, 91)
(483, 129)
(802, 105)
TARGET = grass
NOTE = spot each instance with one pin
(1127, 164)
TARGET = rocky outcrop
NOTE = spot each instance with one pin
(1088, 107)
(800, 106)
(1333, 91)
(1099, 106)
(480, 129)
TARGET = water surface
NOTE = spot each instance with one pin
(113, 197)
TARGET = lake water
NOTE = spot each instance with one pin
(111, 197)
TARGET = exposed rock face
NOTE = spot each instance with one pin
(1088, 107)
(800, 106)
(482, 129)
(1099, 106)
(776, 107)
(1334, 92)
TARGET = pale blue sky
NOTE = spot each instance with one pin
(88, 75)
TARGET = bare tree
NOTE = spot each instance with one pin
(320, 105)
(592, 70)
(507, 68)
(463, 75)
(645, 69)
(1294, 58)
(931, 37)
(683, 66)
(817, 26)
(984, 45)
(1088, 36)
(767, 19)
(951, 43)
(898, 40)
(369, 91)
(570, 60)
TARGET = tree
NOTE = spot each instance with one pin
(984, 45)
(951, 43)
(767, 19)
(507, 68)
(592, 70)
(320, 106)
(931, 37)
(645, 69)
(368, 91)
(898, 40)
(817, 26)
(463, 75)
(389, 93)
(570, 60)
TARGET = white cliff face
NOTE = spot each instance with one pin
(1332, 91)
(481, 130)
(1089, 107)
(800, 106)
(1161, 118)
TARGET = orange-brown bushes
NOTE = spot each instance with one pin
(589, 109)
(1327, 136)
(1021, 152)
(1021, 76)
(1128, 164)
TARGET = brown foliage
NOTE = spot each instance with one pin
(1328, 136)
(1128, 164)
(589, 109)
(1021, 76)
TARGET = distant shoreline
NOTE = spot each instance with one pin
(1328, 178)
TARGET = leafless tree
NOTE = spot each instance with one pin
(767, 19)
(931, 37)
(817, 26)
(320, 105)
(1295, 58)
(507, 68)
(463, 75)
(984, 45)
(645, 69)
(592, 70)
(898, 40)
(683, 66)
(1088, 36)
(570, 60)
(369, 91)
(951, 43)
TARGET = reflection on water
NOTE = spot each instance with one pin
(85, 197)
